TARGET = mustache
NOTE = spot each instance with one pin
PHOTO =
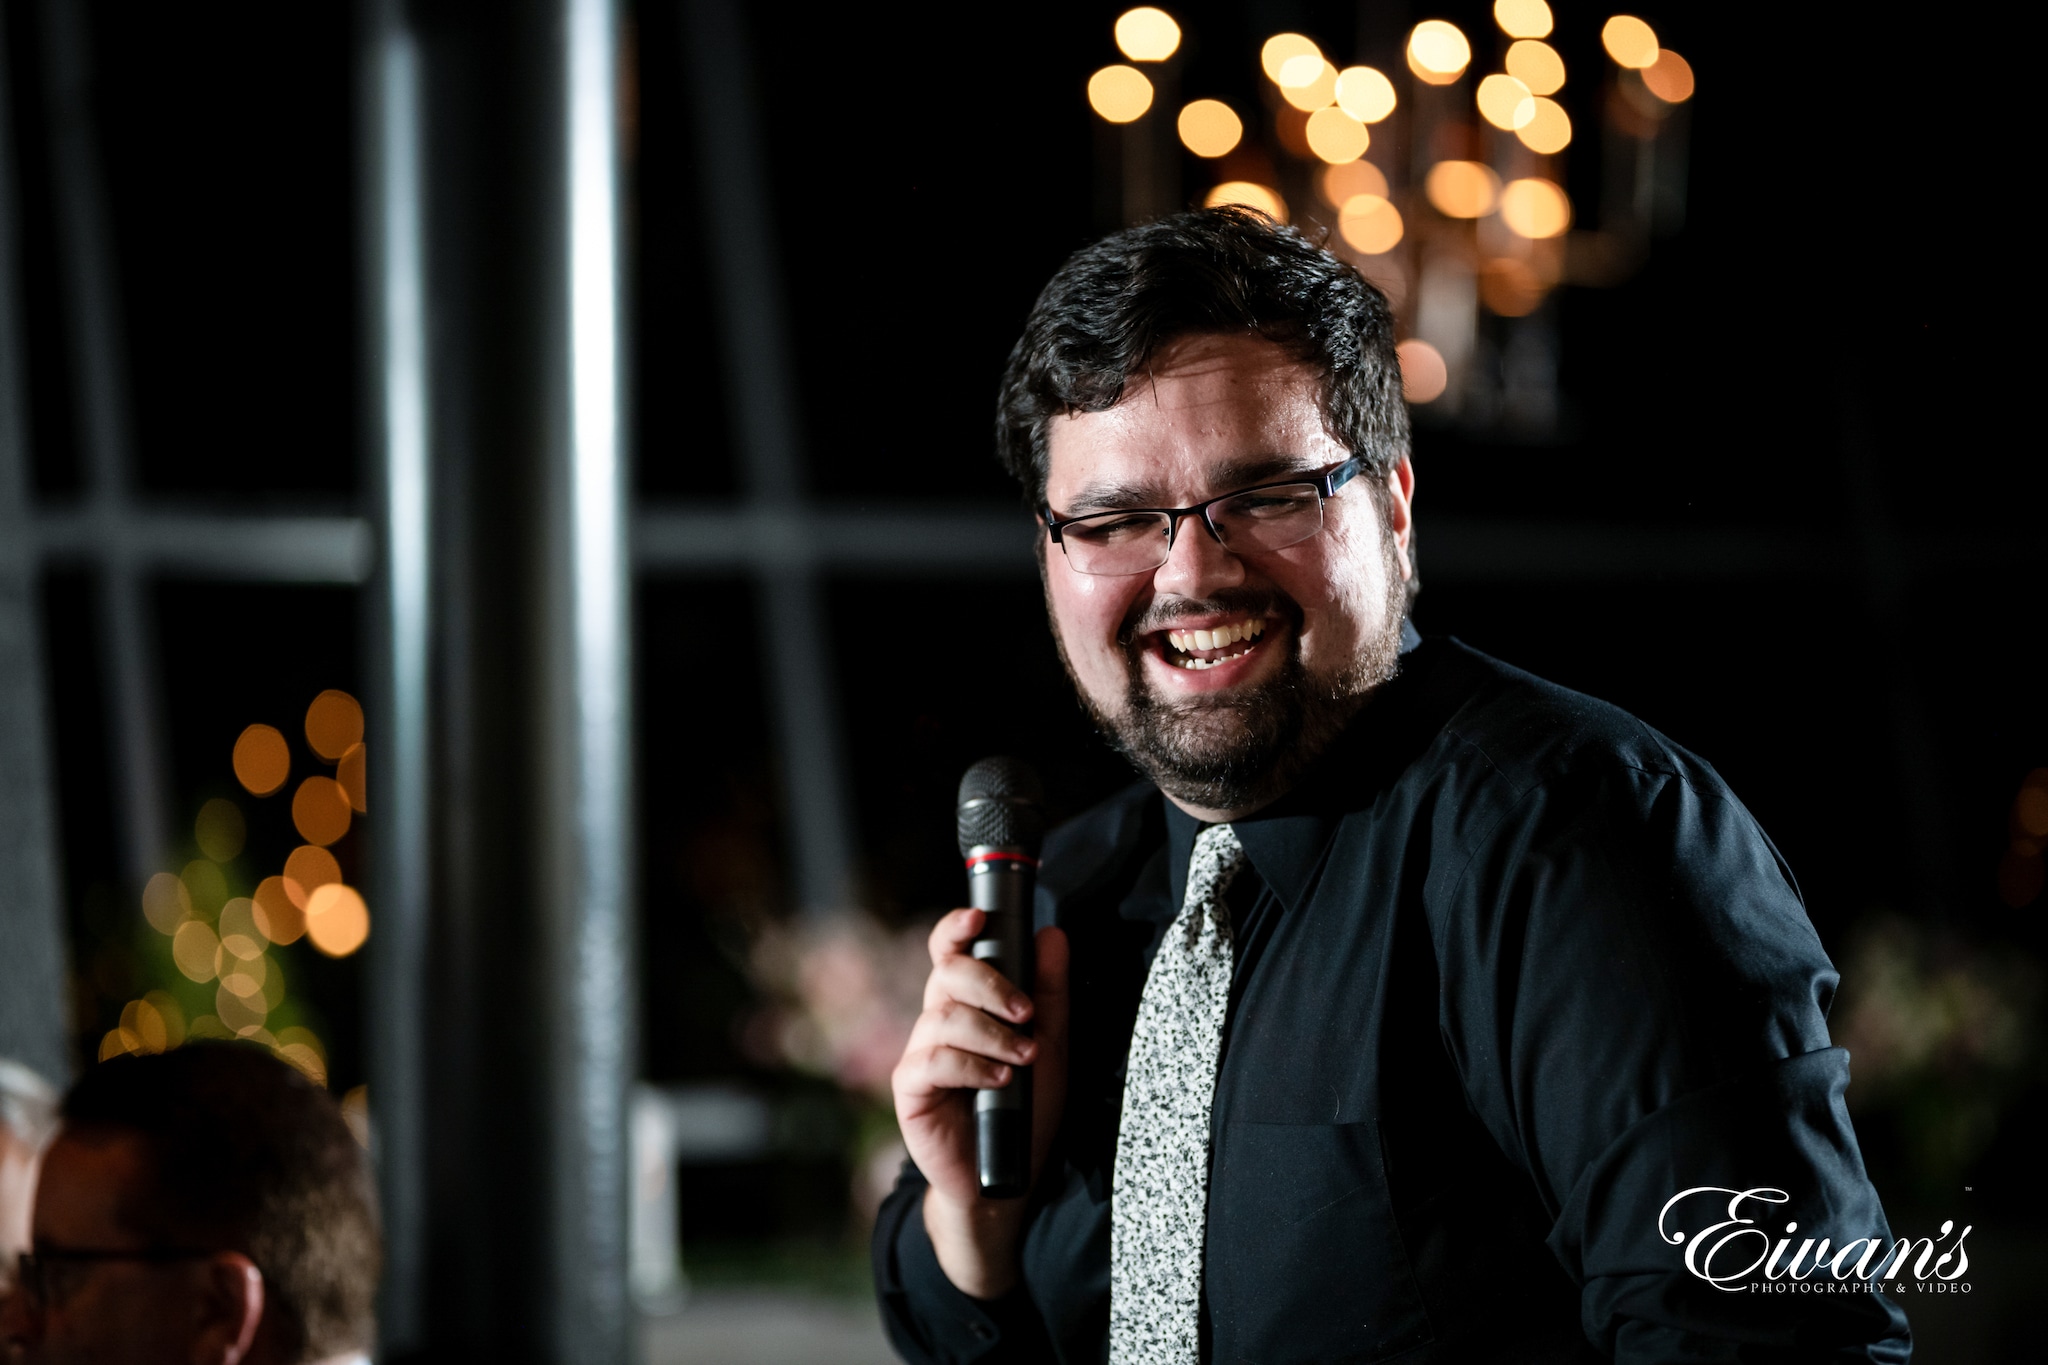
(1152, 617)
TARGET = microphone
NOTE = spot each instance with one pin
(1001, 826)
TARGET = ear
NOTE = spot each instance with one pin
(1400, 496)
(229, 1306)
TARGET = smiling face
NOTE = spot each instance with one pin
(1223, 674)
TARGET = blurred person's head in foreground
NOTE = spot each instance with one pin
(205, 1206)
(28, 1114)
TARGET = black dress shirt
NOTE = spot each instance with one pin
(1512, 970)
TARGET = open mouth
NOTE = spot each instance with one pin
(1198, 649)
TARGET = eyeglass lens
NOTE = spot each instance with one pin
(1134, 542)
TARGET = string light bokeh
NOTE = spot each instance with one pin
(221, 936)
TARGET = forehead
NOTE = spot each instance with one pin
(1205, 408)
(87, 1177)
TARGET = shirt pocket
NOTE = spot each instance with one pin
(1305, 1261)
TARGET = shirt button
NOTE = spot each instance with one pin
(981, 1330)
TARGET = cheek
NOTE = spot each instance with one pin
(1088, 608)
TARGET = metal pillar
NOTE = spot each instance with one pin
(521, 1026)
(394, 291)
(32, 970)
(746, 285)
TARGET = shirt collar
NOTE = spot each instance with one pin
(1285, 841)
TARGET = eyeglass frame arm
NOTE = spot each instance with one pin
(1326, 485)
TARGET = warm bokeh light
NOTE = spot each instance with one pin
(170, 1013)
(1316, 91)
(243, 976)
(194, 948)
(241, 1014)
(263, 761)
(274, 912)
(302, 1055)
(1510, 287)
(1438, 52)
(220, 830)
(1120, 94)
(1535, 207)
(1537, 66)
(1146, 34)
(206, 886)
(1283, 47)
(145, 1023)
(1336, 137)
(355, 1111)
(1523, 18)
(337, 920)
(334, 724)
(1629, 40)
(166, 903)
(242, 934)
(1669, 78)
(1370, 224)
(307, 869)
(1365, 93)
(1424, 376)
(1248, 194)
(1550, 131)
(321, 810)
(1462, 189)
(353, 775)
(1505, 103)
(1209, 128)
(1342, 184)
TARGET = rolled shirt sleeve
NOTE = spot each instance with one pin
(1637, 1003)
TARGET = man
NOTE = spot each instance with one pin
(1386, 1017)
(28, 1112)
(205, 1206)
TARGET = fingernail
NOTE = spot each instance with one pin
(1020, 1007)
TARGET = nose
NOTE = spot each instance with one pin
(1197, 565)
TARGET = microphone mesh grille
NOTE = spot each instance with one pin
(999, 805)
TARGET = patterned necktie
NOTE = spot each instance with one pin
(1160, 1199)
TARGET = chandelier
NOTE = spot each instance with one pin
(1441, 175)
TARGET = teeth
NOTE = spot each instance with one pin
(1222, 637)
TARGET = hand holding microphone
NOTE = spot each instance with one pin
(983, 1078)
(1001, 826)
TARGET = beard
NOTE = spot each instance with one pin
(1240, 751)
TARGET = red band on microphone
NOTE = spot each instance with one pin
(999, 857)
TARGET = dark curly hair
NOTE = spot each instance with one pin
(1113, 305)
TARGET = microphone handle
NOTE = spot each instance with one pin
(1000, 881)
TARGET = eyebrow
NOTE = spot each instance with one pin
(1229, 476)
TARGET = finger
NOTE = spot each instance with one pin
(932, 1070)
(971, 1030)
(954, 933)
(973, 982)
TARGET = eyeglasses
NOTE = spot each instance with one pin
(35, 1272)
(1271, 516)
